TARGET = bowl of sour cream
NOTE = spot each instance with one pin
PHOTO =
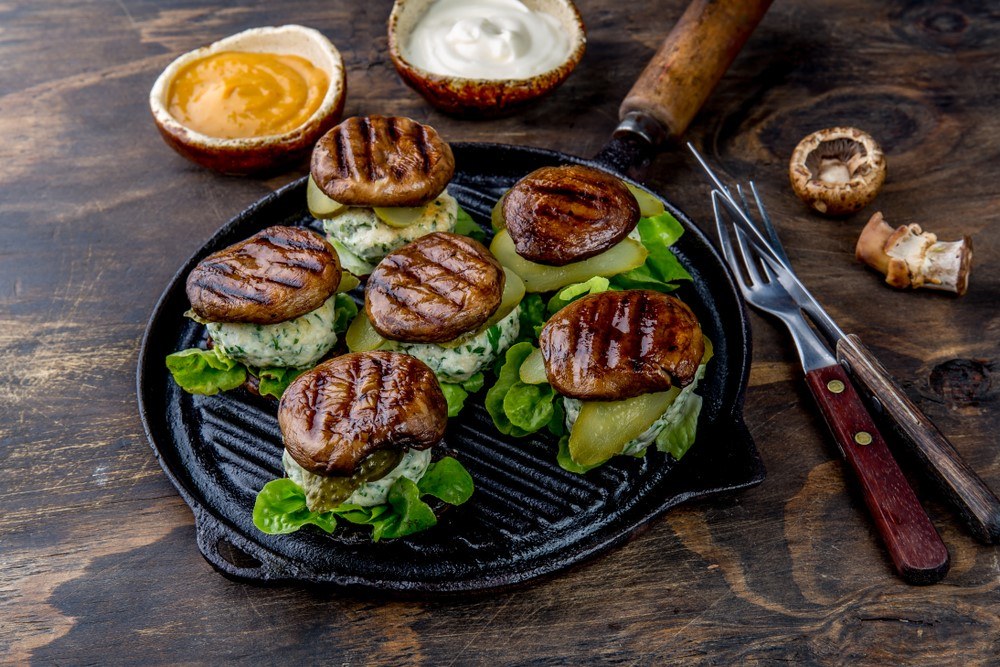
(485, 57)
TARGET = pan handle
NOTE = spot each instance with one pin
(685, 69)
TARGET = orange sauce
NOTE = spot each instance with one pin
(233, 94)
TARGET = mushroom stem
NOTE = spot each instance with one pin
(910, 257)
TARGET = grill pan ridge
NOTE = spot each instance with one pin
(528, 517)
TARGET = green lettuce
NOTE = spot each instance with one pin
(676, 439)
(532, 317)
(517, 408)
(566, 461)
(344, 310)
(205, 372)
(281, 505)
(274, 381)
(456, 393)
(571, 293)
(465, 225)
(662, 269)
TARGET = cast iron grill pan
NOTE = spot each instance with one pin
(527, 518)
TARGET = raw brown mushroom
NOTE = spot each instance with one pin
(911, 257)
(838, 170)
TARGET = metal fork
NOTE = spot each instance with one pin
(914, 545)
(976, 503)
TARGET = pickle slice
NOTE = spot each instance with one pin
(649, 206)
(361, 335)
(513, 292)
(372, 468)
(347, 282)
(399, 216)
(605, 427)
(625, 256)
(321, 206)
(532, 369)
(496, 216)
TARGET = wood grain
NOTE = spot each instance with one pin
(98, 562)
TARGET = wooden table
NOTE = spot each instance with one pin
(98, 562)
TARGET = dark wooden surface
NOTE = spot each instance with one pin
(98, 562)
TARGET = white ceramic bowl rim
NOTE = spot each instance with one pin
(293, 40)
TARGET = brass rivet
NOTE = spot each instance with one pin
(863, 438)
(835, 386)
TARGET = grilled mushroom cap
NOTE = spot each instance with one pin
(382, 161)
(837, 171)
(434, 289)
(558, 215)
(340, 412)
(273, 276)
(616, 345)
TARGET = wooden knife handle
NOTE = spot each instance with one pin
(978, 505)
(916, 548)
(691, 60)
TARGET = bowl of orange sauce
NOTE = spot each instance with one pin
(252, 102)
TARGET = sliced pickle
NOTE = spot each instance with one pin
(321, 206)
(348, 281)
(513, 292)
(496, 217)
(605, 427)
(649, 206)
(400, 216)
(532, 369)
(625, 256)
(372, 468)
(361, 335)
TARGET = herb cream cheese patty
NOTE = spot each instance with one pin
(359, 231)
(297, 343)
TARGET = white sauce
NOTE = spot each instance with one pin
(487, 39)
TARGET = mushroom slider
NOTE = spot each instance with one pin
(627, 363)
(563, 225)
(269, 300)
(443, 299)
(358, 431)
(379, 182)
(838, 170)
(911, 257)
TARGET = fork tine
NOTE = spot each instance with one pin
(720, 228)
(769, 226)
(750, 260)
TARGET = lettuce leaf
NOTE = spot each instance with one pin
(571, 293)
(281, 508)
(274, 381)
(662, 269)
(532, 317)
(517, 408)
(456, 393)
(344, 310)
(205, 372)
(566, 461)
(281, 505)
(447, 480)
(678, 436)
(349, 260)
(465, 225)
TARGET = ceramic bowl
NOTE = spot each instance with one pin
(265, 153)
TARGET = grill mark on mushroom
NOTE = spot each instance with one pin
(617, 345)
(395, 162)
(276, 275)
(345, 409)
(559, 215)
(434, 289)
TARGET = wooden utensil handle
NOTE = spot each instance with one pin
(978, 505)
(691, 60)
(916, 548)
